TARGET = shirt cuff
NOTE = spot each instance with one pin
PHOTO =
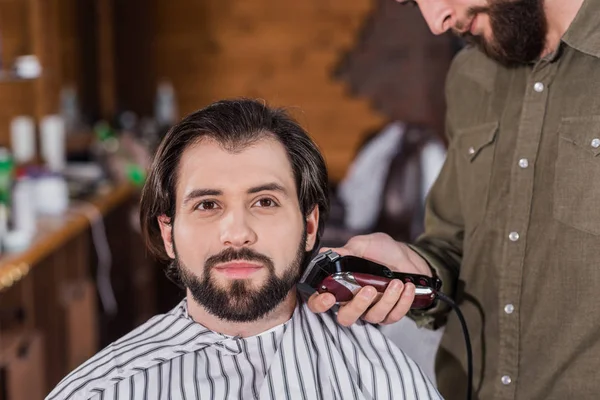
(435, 316)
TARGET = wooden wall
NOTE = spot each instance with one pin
(61, 33)
(15, 28)
(115, 53)
(280, 51)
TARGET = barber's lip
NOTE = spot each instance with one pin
(238, 270)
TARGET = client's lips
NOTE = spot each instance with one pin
(238, 270)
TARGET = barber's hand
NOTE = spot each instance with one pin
(398, 297)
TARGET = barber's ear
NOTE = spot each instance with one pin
(166, 230)
(312, 225)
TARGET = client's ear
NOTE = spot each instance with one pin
(312, 225)
(166, 232)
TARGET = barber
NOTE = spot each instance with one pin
(513, 221)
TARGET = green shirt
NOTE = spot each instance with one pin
(513, 223)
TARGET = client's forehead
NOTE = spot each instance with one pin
(207, 164)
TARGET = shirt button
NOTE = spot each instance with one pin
(538, 87)
(506, 380)
(595, 143)
(513, 236)
(471, 150)
(509, 308)
(523, 163)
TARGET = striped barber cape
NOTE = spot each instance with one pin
(309, 357)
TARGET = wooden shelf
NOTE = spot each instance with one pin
(55, 232)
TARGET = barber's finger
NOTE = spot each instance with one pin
(402, 307)
(355, 308)
(354, 247)
(340, 250)
(385, 304)
(358, 244)
(319, 303)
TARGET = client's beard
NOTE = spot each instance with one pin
(519, 29)
(240, 302)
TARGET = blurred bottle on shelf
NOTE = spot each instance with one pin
(22, 140)
(69, 110)
(53, 142)
(27, 67)
(6, 171)
(165, 107)
(6, 174)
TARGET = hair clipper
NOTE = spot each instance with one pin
(344, 276)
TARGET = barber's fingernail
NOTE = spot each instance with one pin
(328, 301)
(395, 286)
(368, 293)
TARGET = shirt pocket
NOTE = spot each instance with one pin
(475, 147)
(577, 174)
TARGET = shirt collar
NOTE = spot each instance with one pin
(583, 33)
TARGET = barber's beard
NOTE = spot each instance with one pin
(240, 302)
(519, 29)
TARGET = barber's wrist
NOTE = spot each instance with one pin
(434, 316)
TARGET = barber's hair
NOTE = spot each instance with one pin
(234, 124)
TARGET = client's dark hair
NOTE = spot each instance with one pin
(234, 124)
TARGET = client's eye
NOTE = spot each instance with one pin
(266, 203)
(207, 206)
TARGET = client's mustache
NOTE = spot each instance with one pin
(244, 254)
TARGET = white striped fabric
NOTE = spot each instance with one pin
(308, 357)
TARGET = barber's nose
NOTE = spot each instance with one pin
(236, 231)
(439, 15)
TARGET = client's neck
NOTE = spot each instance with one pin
(281, 314)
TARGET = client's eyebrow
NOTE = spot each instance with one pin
(196, 193)
(273, 187)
